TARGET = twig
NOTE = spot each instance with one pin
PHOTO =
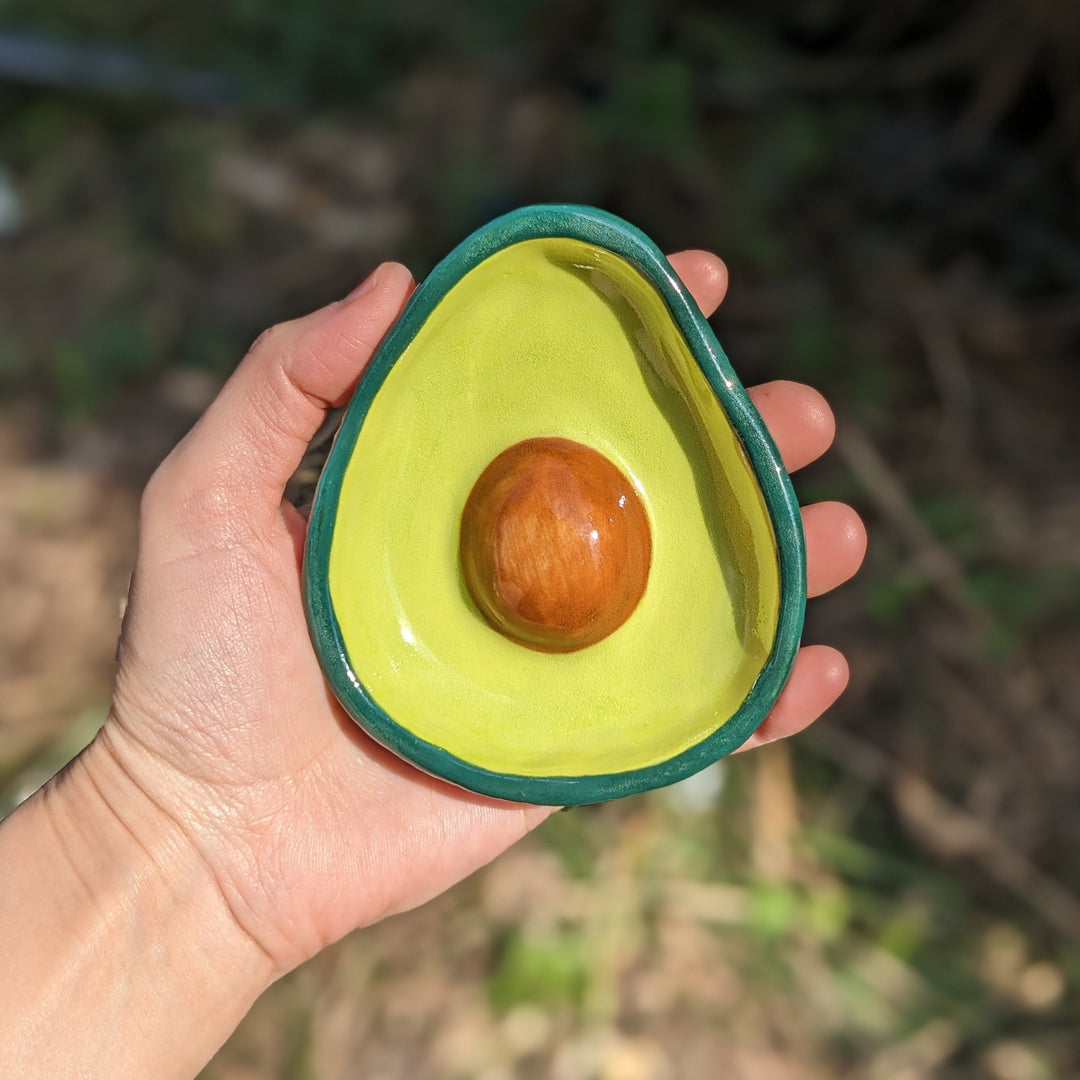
(914, 67)
(953, 832)
(949, 369)
(997, 90)
(884, 487)
(776, 814)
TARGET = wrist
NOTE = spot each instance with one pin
(129, 960)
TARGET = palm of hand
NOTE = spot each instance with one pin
(222, 717)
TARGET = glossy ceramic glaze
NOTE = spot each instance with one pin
(555, 545)
(566, 323)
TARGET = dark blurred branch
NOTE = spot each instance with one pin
(955, 49)
(950, 831)
(41, 61)
(948, 367)
(887, 491)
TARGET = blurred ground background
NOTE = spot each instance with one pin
(894, 895)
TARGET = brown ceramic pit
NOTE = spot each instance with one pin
(555, 545)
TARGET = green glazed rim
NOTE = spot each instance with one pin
(604, 230)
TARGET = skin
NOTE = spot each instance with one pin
(229, 821)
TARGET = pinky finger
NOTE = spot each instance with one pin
(818, 677)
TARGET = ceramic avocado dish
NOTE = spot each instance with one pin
(554, 556)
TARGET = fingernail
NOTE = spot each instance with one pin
(366, 285)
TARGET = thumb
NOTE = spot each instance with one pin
(252, 437)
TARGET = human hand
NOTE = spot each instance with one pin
(221, 710)
(225, 752)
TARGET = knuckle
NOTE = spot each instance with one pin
(272, 339)
(180, 502)
(157, 494)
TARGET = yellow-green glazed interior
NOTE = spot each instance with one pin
(550, 335)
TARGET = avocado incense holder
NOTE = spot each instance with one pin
(554, 556)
